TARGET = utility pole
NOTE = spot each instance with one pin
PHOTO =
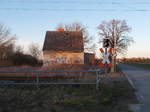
(105, 63)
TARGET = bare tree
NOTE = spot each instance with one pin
(19, 49)
(117, 31)
(7, 42)
(77, 26)
(35, 51)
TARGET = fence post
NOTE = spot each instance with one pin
(37, 80)
(97, 80)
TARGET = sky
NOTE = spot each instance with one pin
(30, 19)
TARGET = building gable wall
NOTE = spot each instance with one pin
(51, 58)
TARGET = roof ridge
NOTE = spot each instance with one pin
(57, 41)
(63, 31)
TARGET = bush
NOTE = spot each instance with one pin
(24, 59)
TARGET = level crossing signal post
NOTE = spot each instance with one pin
(106, 52)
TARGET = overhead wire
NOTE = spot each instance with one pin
(129, 6)
(71, 9)
(70, 2)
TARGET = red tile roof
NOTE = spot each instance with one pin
(63, 41)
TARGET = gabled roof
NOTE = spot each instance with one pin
(63, 41)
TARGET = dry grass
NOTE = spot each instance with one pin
(66, 67)
(52, 67)
(48, 99)
(116, 93)
(54, 77)
(114, 96)
(24, 67)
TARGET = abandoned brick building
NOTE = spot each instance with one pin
(63, 47)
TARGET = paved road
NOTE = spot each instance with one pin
(140, 78)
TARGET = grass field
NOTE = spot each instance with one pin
(140, 65)
(113, 96)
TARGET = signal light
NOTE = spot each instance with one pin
(110, 65)
(101, 50)
(106, 43)
(110, 50)
(101, 65)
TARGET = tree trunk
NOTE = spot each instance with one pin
(113, 64)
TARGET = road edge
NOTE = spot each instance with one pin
(135, 107)
(138, 95)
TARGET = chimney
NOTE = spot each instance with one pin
(61, 29)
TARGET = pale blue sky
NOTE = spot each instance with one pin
(30, 19)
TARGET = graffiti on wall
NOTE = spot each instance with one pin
(62, 60)
(57, 61)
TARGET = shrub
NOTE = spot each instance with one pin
(24, 59)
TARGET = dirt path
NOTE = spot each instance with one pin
(140, 79)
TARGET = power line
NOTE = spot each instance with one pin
(128, 6)
(72, 9)
(71, 2)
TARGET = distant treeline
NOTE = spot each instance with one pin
(9, 57)
(13, 55)
(142, 60)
